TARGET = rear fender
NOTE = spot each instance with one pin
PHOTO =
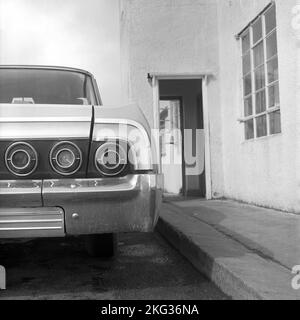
(128, 124)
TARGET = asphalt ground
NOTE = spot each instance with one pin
(146, 267)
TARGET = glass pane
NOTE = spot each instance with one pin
(246, 42)
(271, 45)
(258, 52)
(260, 102)
(169, 122)
(261, 126)
(246, 64)
(248, 106)
(259, 78)
(247, 85)
(249, 129)
(275, 122)
(274, 96)
(273, 70)
(270, 19)
(257, 30)
(45, 86)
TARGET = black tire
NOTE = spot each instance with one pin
(101, 245)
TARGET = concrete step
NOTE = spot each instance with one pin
(238, 271)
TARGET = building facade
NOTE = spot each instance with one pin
(228, 68)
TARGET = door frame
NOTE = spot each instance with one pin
(183, 171)
(155, 78)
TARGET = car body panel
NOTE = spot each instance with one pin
(48, 204)
(41, 121)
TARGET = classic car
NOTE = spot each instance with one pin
(70, 166)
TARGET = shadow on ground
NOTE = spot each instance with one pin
(145, 268)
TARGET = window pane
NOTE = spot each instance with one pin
(258, 52)
(273, 70)
(275, 122)
(271, 19)
(246, 64)
(247, 85)
(249, 129)
(260, 102)
(259, 78)
(246, 42)
(271, 45)
(45, 86)
(261, 126)
(274, 95)
(248, 106)
(257, 30)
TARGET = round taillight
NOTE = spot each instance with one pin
(111, 159)
(21, 159)
(65, 158)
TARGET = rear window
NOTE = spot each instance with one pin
(43, 86)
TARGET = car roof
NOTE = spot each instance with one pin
(45, 68)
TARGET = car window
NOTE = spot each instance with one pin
(45, 86)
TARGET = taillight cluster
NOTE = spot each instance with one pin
(109, 159)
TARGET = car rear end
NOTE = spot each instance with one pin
(68, 166)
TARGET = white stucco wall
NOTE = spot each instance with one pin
(194, 36)
(171, 36)
(263, 171)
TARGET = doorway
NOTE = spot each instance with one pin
(171, 144)
(182, 141)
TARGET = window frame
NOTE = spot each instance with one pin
(252, 73)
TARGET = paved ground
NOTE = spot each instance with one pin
(146, 268)
(273, 234)
(248, 251)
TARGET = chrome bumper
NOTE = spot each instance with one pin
(79, 206)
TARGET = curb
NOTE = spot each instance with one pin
(238, 272)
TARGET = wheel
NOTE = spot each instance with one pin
(101, 245)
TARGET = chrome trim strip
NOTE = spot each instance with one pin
(46, 67)
(20, 214)
(29, 221)
(18, 222)
(44, 119)
(101, 186)
(42, 131)
(30, 228)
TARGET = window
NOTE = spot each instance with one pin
(260, 76)
(45, 86)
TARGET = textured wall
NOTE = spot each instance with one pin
(179, 36)
(263, 171)
(171, 36)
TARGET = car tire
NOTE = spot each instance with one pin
(101, 245)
